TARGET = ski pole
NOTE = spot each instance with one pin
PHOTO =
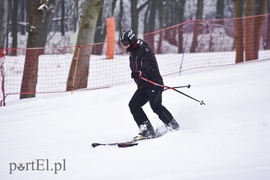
(173, 88)
(187, 86)
(184, 49)
(165, 87)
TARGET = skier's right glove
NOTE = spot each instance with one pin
(136, 74)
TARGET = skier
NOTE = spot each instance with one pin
(143, 63)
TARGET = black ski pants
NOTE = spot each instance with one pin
(153, 94)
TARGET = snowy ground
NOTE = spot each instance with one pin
(49, 137)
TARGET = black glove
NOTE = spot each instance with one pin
(136, 74)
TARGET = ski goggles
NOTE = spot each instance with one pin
(124, 42)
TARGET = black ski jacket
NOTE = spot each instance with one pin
(143, 59)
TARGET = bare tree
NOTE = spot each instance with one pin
(149, 23)
(162, 9)
(100, 32)
(3, 30)
(170, 18)
(47, 23)
(63, 17)
(220, 9)
(113, 7)
(199, 14)
(238, 31)
(121, 10)
(3, 21)
(259, 20)
(75, 15)
(135, 14)
(171, 13)
(29, 81)
(180, 14)
(23, 16)
(252, 29)
(267, 43)
(249, 30)
(78, 72)
(14, 27)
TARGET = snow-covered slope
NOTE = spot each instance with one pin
(228, 138)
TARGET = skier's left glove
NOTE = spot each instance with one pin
(136, 74)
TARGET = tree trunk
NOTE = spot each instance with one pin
(62, 17)
(14, 27)
(75, 15)
(29, 81)
(22, 16)
(259, 20)
(267, 43)
(220, 10)
(8, 20)
(47, 24)
(150, 25)
(3, 22)
(100, 34)
(134, 16)
(3, 30)
(196, 26)
(249, 30)
(170, 17)
(161, 16)
(238, 31)
(113, 7)
(180, 27)
(79, 69)
(121, 11)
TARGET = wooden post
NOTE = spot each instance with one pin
(76, 67)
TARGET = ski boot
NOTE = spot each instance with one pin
(146, 131)
(173, 125)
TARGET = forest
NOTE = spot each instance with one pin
(143, 16)
(35, 25)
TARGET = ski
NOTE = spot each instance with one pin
(131, 143)
(119, 144)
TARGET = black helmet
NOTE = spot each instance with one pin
(128, 37)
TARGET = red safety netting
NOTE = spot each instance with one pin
(190, 45)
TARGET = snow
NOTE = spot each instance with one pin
(228, 138)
